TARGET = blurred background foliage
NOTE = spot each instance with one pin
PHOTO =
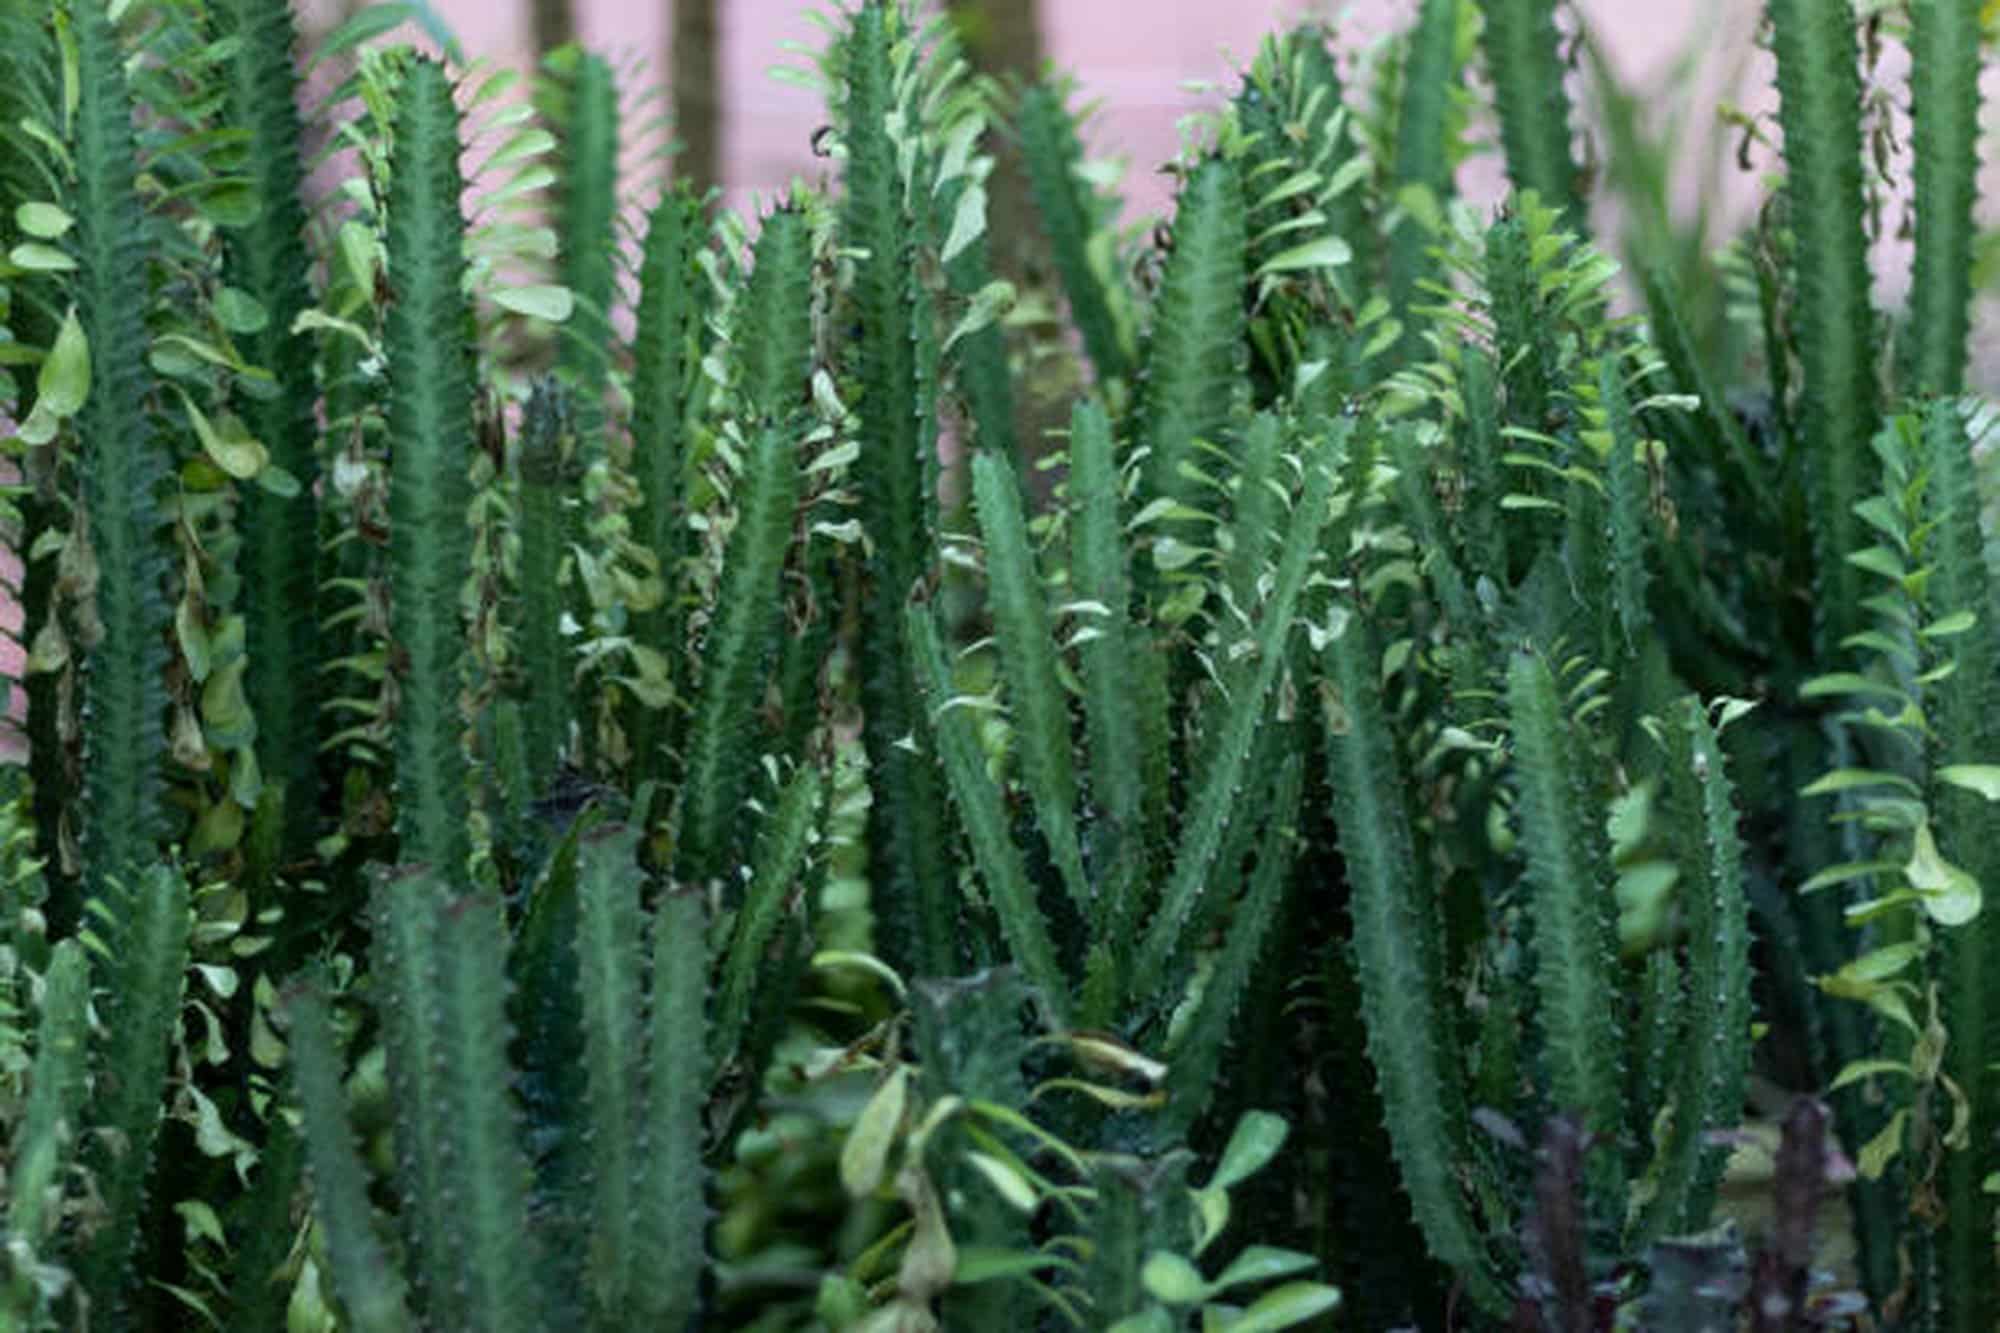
(1676, 110)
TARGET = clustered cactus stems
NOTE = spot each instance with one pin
(540, 806)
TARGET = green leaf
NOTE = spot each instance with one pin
(1258, 1137)
(1878, 1152)
(1876, 641)
(64, 381)
(520, 147)
(538, 301)
(240, 312)
(1212, 1213)
(279, 482)
(1885, 518)
(864, 1157)
(1880, 560)
(1326, 252)
(227, 442)
(373, 21)
(1857, 1070)
(1956, 623)
(184, 355)
(316, 321)
(229, 203)
(35, 257)
(1847, 779)
(1951, 895)
(1889, 1001)
(1011, 1184)
(193, 640)
(984, 1264)
(835, 959)
(1846, 871)
(1883, 963)
(1262, 1263)
(368, 24)
(1847, 682)
(1981, 778)
(988, 304)
(968, 222)
(43, 221)
(1873, 909)
(1293, 1303)
(1173, 1279)
(225, 710)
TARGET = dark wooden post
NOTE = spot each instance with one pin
(697, 90)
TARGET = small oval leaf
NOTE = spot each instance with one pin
(1262, 1263)
(1293, 1303)
(1011, 1184)
(227, 442)
(64, 380)
(1981, 778)
(541, 301)
(1172, 1279)
(1326, 252)
(43, 221)
(864, 1157)
(1258, 1136)
(36, 257)
(239, 311)
(1951, 894)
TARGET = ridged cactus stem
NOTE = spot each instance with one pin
(430, 441)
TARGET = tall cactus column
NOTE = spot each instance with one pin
(430, 444)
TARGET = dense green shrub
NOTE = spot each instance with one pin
(535, 810)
